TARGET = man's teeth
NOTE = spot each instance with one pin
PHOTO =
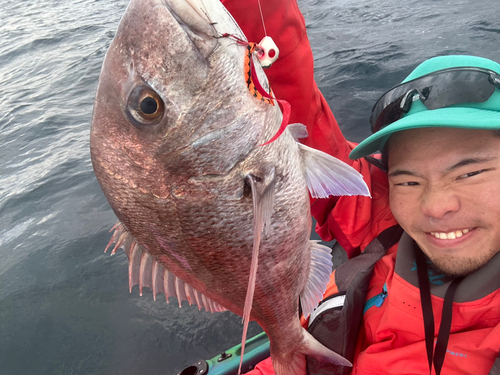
(450, 235)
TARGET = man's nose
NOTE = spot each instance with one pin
(438, 202)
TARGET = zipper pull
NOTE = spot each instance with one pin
(381, 297)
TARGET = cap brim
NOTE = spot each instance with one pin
(452, 117)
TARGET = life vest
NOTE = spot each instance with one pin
(337, 321)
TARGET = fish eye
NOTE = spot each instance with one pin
(148, 105)
(145, 106)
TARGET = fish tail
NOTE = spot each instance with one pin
(296, 365)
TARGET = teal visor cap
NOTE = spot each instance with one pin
(484, 115)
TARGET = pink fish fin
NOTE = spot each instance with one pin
(219, 308)
(189, 294)
(134, 259)
(298, 131)
(204, 300)
(151, 273)
(120, 243)
(296, 365)
(326, 175)
(116, 234)
(198, 298)
(319, 276)
(180, 289)
(263, 200)
(157, 279)
(121, 238)
(169, 285)
(145, 270)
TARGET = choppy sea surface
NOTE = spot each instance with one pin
(64, 305)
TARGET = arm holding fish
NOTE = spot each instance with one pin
(352, 221)
(176, 175)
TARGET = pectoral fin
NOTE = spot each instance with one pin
(319, 276)
(298, 131)
(326, 175)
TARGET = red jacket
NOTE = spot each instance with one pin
(392, 340)
(352, 221)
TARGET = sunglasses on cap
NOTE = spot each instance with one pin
(435, 90)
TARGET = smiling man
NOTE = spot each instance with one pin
(444, 193)
(439, 306)
(421, 292)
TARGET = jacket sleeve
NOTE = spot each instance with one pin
(263, 368)
(353, 221)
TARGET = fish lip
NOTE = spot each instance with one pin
(201, 12)
(196, 24)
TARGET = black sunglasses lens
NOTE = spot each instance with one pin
(436, 90)
(458, 87)
(387, 115)
(389, 102)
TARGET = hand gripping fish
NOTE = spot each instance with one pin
(207, 212)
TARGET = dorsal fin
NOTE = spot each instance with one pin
(147, 272)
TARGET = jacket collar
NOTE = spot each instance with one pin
(475, 286)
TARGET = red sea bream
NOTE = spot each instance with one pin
(207, 213)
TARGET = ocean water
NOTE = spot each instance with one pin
(64, 305)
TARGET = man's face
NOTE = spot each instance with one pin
(445, 193)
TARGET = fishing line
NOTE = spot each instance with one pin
(262, 17)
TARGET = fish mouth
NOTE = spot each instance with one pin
(189, 6)
(194, 18)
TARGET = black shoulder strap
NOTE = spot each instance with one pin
(337, 327)
(495, 370)
(357, 267)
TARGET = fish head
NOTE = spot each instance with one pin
(172, 102)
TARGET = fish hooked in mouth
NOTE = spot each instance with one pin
(205, 212)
